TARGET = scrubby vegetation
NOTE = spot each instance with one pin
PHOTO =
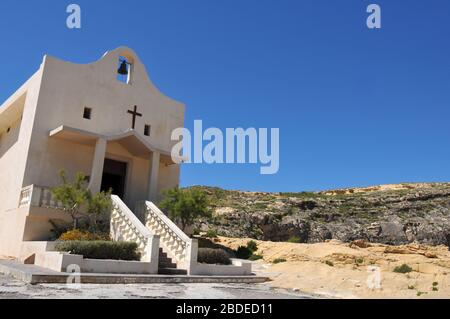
(249, 251)
(185, 206)
(294, 239)
(80, 235)
(89, 212)
(211, 234)
(403, 269)
(252, 245)
(101, 249)
(390, 214)
(243, 252)
(254, 257)
(213, 256)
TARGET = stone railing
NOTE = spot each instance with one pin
(25, 196)
(38, 196)
(125, 226)
(174, 241)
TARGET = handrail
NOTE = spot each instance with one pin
(26, 195)
(181, 248)
(130, 216)
(125, 226)
(166, 220)
(38, 196)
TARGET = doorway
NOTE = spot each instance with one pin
(114, 177)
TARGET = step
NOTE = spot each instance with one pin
(172, 271)
(36, 275)
(164, 255)
(166, 259)
(167, 265)
(167, 262)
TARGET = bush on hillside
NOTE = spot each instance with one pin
(279, 261)
(403, 269)
(294, 239)
(185, 206)
(213, 256)
(243, 252)
(255, 257)
(248, 252)
(211, 234)
(252, 245)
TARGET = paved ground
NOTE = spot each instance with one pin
(13, 289)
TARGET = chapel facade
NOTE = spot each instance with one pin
(105, 119)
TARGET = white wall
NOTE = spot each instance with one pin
(67, 88)
(56, 95)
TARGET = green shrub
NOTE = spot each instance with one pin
(329, 263)
(435, 284)
(243, 252)
(254, 257)
(91, 211)
(279, 261)
(246, 252)
(420, 293)
(411, 287)
(252, 245)
(359, 260)
(211, 234)
(294, 239)
(101, 249)
(213, 256)
(186, 205)
(403, 269)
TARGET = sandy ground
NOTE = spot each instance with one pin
(338, 270)
(330, 270)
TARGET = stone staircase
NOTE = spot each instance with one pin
(167, 267)
(177, 246)
(147, 224)
(163, 246)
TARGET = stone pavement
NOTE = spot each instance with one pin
(14, 289)
(37, 275)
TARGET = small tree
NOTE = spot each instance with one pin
(72, 195)
(79, 202)
(99, 208)
(185, 205)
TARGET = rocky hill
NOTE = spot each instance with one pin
(389, 214)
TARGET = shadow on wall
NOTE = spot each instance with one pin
(9, 138)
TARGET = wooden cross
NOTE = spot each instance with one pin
(135, 114)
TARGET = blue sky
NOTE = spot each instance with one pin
(355, 107)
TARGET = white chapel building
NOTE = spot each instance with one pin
(115, 127)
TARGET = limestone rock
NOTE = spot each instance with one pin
(388, 214)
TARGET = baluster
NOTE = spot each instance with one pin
(48, 196)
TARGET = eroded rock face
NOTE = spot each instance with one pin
(398, 214)
(287, 229)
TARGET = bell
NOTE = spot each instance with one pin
(123, 68)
